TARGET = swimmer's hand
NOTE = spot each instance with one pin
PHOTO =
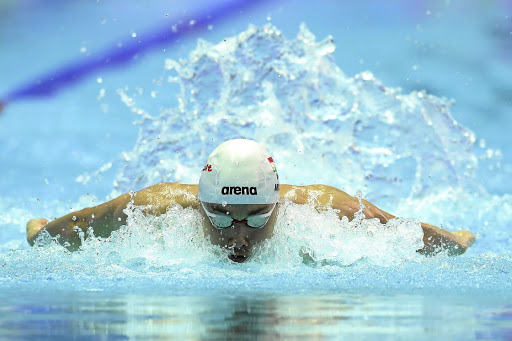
(465, 238)
(33, 228)
(436, 240)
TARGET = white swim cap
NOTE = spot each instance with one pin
(239, 172)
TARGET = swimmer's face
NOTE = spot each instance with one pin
(239, 238)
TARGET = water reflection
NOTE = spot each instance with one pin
(265, 316)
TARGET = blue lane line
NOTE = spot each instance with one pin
(55, 80)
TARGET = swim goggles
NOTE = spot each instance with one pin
(222, 221)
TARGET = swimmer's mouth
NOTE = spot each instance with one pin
(237, 258)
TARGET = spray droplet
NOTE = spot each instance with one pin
(224, 204)
(74, 218)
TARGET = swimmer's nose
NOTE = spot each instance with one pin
(239, 240)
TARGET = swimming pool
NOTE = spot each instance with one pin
(311, 101)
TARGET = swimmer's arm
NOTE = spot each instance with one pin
(110, 216)
(103, 218)
(322, 196)
(435, 239)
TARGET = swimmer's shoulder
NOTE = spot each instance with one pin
(305, 194)
(296, 194)
(168, 187)
(166, 194)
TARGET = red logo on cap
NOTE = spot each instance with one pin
(271, 160)
(207, 168)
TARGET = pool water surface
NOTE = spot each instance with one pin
(354, 96)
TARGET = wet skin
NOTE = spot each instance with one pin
(239, 238)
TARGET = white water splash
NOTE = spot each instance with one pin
(291, 96)
(402, 150)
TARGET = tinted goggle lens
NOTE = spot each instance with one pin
(222, 221)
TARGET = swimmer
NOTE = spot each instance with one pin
(237, 196)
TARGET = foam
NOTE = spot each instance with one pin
(403, 151)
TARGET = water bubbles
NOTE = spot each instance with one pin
(224, 203)
(101, 94)
(340, 151)
(134, 35)
(359, 194)
(323, 238)
(83, 50)
(74, 218)
(344, 121)
(367, 76)
(389, 116)
(186, 73)
(171, 64)
(99, 80)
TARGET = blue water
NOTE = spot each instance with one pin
(323, 97)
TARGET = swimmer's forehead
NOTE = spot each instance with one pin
(238, 208)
